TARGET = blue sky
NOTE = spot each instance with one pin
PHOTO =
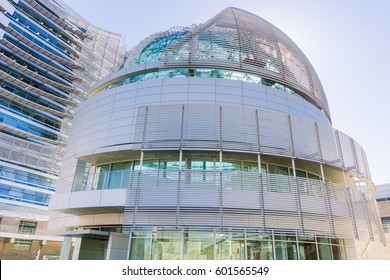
(347, 42)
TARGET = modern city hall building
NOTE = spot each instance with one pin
(49, 57)
(213, 141)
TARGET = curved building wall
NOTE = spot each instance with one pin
(162, 147)
(201, 118)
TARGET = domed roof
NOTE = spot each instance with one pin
(235, 40)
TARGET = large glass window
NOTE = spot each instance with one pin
(259, 250)
(204, 171)
(166, 245)
(230, 246)
(119, 175)
(205, 244)
(101, 176)
(141, 245)
(286, 250)
(112, 176)
(308, 251)
(198, 245)
(278, 183)
(325, 252)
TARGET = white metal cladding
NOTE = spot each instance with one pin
(239, 41)
(248, 200)
(206, 126)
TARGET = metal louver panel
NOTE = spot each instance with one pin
(211, 127)
(304, 138)
(238, 199)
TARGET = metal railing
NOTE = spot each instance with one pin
(186, 178)
(26, 231)
(386, 228)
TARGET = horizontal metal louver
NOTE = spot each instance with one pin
(211, 127)
(237, 199)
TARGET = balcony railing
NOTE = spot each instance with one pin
(185, 178)
(25, 231)
(386, 228)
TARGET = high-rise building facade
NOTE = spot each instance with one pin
(49, 57)
(213, 141)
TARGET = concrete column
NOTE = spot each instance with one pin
(117, 248)
(76, 249)
(65, 248)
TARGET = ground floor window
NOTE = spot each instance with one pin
(196, 244)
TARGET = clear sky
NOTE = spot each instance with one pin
(347, 41)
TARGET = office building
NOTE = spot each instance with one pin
(213, 141)
(49, 57)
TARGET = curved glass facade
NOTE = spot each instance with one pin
(202, 73)
(212, 244)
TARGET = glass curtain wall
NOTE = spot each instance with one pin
(200, 244)
(197, 170)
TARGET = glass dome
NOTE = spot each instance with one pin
(234, 44)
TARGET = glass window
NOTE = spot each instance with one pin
(278, 183)
(198, 245)
(150, 164)
(201, 164)
(27, 227)
(250, 166)
(299, 173)
(231, 166)
(24, 245)
(170, 165)
(259, 250)
(338, 252)
(258, 236)
(81, 176)
(141, 244)
(306, 238)
(101, 177)
(312, 176)
(325, 253)
(201, 172)
(285, 237)
(21, 175)
(119, 175)
(308, 251)
(230, 247)
(323, 240)
(166, 246)
(286, 251)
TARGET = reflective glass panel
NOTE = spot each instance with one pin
(102, 176)
(166, 246)
(198, 246)
(119, 175)
(229, 248)
(324, 251)
(286, 251)
(259, 250)
(308, 251)
(140, 248)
